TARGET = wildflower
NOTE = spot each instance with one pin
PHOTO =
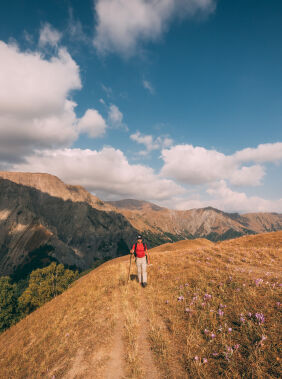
(205, 360)
(215, 354)
(222, 306)
(187, 310)
(242, 319)
(196, 358)
(236, 347)
(213, 335)
(258, 282)
(67, 334)
(220, 313)
(229, 330)
(229, 349)
(260, 318)
(166, 301)
(206, 331)
(203, 305)
(186, 284)
(207, 296)
(195, 298)
(278, 304)
(180, 298)
(263, 338)
(249, 314)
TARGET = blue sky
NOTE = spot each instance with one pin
(176, 102)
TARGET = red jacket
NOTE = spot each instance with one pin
(140, 249)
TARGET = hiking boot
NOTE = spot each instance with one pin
(144, 284)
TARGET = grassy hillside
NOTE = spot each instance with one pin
(210, 310)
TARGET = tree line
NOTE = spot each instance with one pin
(18, 299)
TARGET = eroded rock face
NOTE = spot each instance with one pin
(72, 232)
(208, 222)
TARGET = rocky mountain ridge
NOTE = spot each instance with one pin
(206, 222)
(36, 228)
(43, 219)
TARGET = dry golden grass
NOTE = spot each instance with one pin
(189, 283)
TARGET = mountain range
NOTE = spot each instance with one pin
(43, 219)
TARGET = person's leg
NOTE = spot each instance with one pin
(144, 270)
(139, 268)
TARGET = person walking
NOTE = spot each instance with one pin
(139, 249)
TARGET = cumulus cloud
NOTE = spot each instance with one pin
(151, 143)
(122, 24)
(106, 173)
(35, 106)
(268, 152)
(197, 165)
(115, 115)
(49, 36)
(227, 199)
(92, 123)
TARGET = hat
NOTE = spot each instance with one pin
(139, 237)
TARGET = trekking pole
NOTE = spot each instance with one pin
(129, 268)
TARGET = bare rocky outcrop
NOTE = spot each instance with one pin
(35, 225)
(207, 222)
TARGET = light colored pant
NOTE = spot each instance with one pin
(141, 264)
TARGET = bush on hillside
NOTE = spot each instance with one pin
(44, 284)
(8, 303)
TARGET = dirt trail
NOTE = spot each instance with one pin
(149, 368)
(115, 366)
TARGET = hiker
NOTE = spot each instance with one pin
(139, 249)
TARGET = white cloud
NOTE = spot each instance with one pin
(148, 86)
(49, 36)
(151, 143)
(268, 152)
(123, 24)
(227, 199)
(115, 115)
(92, 123)
(106, 172)
(36, 111)
(197, 165)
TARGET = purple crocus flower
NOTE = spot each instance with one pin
(260, 318)
(207, 296)
(229, 330)
(242, 319)
(196, 358)
(215, 354)
(258, 282)
(220, 313)
(180, 298)
(236, 347)
(213, 335)
(205, 360)
(229, 349)
(206, 331)
(187, 310)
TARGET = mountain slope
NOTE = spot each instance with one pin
(207, 222)
(34, 224)
(94, 328)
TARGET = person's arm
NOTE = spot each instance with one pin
(132, 250)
